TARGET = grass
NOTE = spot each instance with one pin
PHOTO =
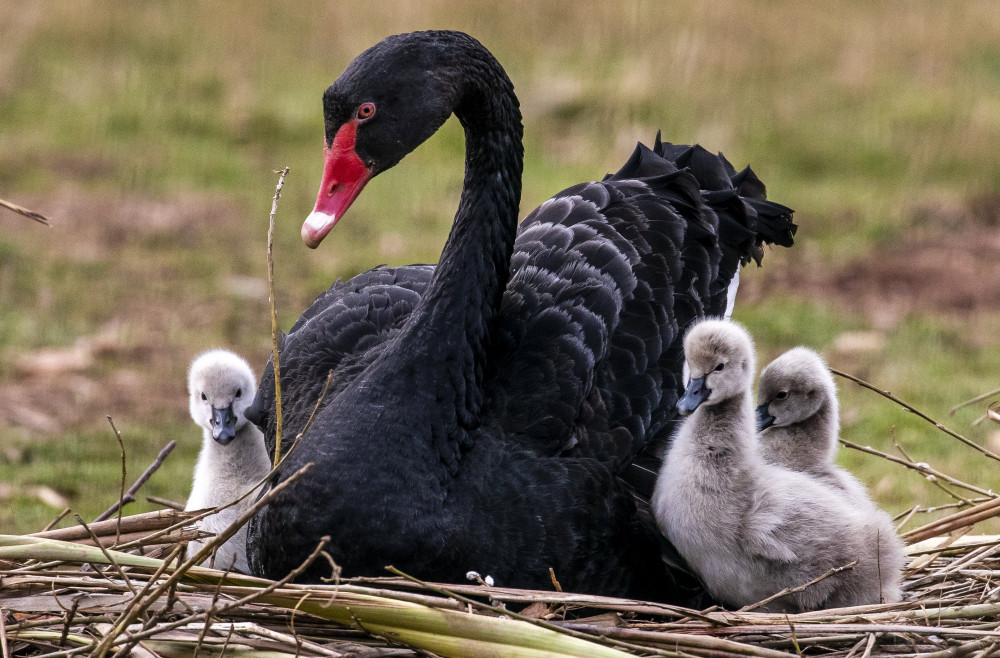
(149, 132)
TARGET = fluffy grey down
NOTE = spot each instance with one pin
(749, 528)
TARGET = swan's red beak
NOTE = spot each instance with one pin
(344, 176)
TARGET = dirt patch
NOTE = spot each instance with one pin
(951, 268)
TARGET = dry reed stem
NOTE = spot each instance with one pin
(944, 525)
(3, 636)
(121, 495)
(274, 318)
(144, 522)
(21, 210)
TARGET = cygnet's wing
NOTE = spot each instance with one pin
(764, 532)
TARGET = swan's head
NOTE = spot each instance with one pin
(720, 360)
(388, 101)
(220, 386)
(793, 388)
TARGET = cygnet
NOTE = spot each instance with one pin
(797, 417)
(749, 528)
(233, 458)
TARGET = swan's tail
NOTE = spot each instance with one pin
(727, 229)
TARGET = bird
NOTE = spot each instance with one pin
(482, 410)
(233, 459)
(751, 529)
(797, 417)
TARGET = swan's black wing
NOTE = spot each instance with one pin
(605, 278)
(587, 314)
(341, 332)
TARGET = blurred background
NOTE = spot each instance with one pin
(149, 133)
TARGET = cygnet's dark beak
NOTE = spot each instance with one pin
(223, 424)
(764, 418)
(695, 393)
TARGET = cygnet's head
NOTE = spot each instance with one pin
(720, 362)
(221, 385)
(793, 388)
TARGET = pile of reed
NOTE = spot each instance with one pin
(65, 593)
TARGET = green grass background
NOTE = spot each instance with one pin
(149, 133)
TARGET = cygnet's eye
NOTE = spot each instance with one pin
(204, 397)
(720, 367)
(239, 392)
(781, 395)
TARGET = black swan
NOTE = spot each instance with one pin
(750, 528)
(232, 458)
(481, 409)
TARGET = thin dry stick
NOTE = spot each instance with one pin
(315, 409)
(21, 210)
(905, 515)
(886, 394)
(935, 481)
(799, 588)
(51, 524)
(70, 616)
(263, 631)
(121, 495)
(978, 398)
(229, 637)
(919, 467)
(215, 599)
(163, 502)
(121, 572)
(129, 495)
(137, 606)
(274, 318)
(250, 598)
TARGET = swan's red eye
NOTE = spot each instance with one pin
(366, 111)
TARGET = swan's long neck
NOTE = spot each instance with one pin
(450, 330)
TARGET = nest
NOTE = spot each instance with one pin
(66, 592)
